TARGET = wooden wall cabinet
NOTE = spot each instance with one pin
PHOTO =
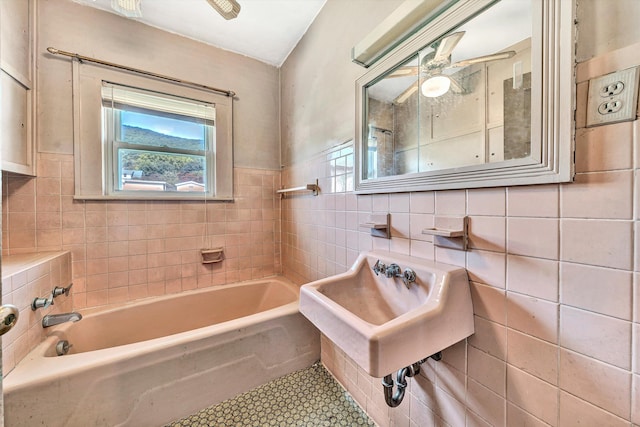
(17, 85)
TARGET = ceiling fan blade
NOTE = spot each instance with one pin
(494, 57)
(446, 46)
(403, 72)
(402, 98)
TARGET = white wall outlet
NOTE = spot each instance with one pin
(613, 97)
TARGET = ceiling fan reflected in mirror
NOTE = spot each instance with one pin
(434, 82)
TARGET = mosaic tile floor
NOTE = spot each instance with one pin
(306, 398)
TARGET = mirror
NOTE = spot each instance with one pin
(482, 96)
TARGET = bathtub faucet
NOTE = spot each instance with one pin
(56, 319)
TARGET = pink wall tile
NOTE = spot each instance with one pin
(603, 290)
(598, 383)
(489, 337)
(486, 201)
(137, 245)
(533, 237)
(487, 232)
(451, 202)
(488, 405)
(487, 370)
(489, 303)
(400, 225)
(594, 152)
(423, 202)
(599, 195)
(417, 223)
(486, 267)
(591, 242)
(532, 355)
(537, 277)
(519, 417)
(533, 201)
(422, 249)
(602, 337)
(533, 316)
(532, 394)
(398, 202)
(575, 412)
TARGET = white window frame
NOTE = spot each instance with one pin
(113, 143)
(94, 142)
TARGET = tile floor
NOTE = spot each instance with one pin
(306, 398)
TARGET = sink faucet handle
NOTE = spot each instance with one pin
(379, 267)
(408, 277)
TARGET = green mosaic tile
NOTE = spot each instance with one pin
(306, 398)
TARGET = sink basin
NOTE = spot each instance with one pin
(383, 325)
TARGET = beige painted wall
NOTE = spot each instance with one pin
(318, 78)
(94, 33)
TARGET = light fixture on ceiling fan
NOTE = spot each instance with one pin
(228, 9)
(432, 66)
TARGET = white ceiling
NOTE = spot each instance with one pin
(266, 30)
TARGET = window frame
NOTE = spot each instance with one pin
(91, 147)
(113, 143)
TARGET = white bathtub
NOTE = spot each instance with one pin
(148, 363)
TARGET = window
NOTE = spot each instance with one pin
(140, 138)
(157, 142)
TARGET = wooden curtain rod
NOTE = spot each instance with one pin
(81, 58)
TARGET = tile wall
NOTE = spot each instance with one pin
(553, 270)
(25, 277)
(126, 250)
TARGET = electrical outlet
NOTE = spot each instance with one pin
(613, 97)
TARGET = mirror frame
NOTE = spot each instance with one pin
(552, 105)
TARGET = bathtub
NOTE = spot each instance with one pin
(158, 360)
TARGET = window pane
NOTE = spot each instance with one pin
(156, 171)
(157, 130)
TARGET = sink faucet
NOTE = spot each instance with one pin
(56, 319)
(393, 270)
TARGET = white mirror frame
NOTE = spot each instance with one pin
(552, 105)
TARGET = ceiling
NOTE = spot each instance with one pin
(266, 30)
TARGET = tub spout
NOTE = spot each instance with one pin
(56, 319)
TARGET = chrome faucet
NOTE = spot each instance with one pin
(379, 267)
(408, 277)
(56, 319)
(393, 270)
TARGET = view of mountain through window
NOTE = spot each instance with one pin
(159, 143)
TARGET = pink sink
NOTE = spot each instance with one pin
(382, 324)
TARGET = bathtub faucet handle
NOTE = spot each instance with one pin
(43, 302)
(59, 290)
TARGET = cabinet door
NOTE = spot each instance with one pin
(17, 84)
